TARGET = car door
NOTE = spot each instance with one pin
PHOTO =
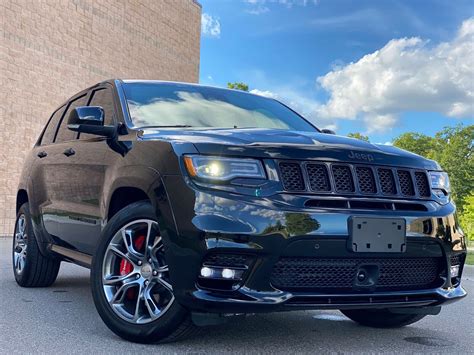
(43, 152)
(82, 165)
(54, 175)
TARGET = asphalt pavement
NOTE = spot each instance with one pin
(63, 319)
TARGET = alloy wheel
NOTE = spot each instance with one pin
(135, 275)
(20, 245)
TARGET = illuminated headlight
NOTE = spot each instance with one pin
(440, 181)
(223, 169)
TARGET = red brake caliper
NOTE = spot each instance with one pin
(126, 267)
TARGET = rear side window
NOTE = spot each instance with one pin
(64, 134)
(50, 131)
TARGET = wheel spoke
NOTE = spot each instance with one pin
(17, 261)
(136, 315)
(147, 240)
(121, 254)
(113, 280)
(150, 304)
(128, 242)
(165, 284)
(21, 225)
(21, 263)
(162, 269)
(120, 294)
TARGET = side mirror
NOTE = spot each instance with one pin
(328, 131)
(89, 119)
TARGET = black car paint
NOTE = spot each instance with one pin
(70, 198)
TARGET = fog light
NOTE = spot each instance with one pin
(454, 270)
(206, 272)
(228, 273)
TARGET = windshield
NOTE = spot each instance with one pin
(153, 104)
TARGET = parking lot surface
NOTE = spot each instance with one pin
(63, 319)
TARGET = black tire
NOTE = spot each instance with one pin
(381, 318)
(173, 325)
(37, 269)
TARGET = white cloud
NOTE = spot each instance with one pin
(210, 26)
(258, 7)
(265, 93)
(407, 74)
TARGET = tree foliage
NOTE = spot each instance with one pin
(358, 135)
(467, 216)
(416, 143)
(452, 148)
(238, 86)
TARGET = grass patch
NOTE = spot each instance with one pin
(470, 259)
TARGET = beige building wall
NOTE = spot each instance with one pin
(51, 49)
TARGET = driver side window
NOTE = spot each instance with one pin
(104, 98)
(64, 134)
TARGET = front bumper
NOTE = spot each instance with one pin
(214, 223)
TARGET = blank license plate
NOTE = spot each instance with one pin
(377, 235)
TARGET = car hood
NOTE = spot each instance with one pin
(284, 144)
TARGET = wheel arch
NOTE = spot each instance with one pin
(124, 196)
(136, 183)
(21, 198)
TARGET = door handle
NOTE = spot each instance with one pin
(68, 152)
(42, 154)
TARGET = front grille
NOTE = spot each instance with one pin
(353, 179)
(366, 179)
(387, 182)
(292, 177)
(318, 177)
(406, 184)
(422, 184)
(313, 274)
(343, 178)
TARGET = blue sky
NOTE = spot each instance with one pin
(377, 67)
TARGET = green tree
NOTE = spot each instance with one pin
(238, 86)
(453, 150)
(467, 217)
(416, 143)
(358, 135)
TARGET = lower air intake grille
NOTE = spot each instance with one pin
(319, 274)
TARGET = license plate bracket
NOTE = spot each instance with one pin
(377, 235)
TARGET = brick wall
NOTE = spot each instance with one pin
(50, 49)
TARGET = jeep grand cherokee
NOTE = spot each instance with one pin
(190, 203)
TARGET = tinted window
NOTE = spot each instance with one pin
(105, 99)
(170, 104)
(50, 131)
(65, 134)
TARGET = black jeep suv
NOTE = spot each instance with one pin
(191, 203)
